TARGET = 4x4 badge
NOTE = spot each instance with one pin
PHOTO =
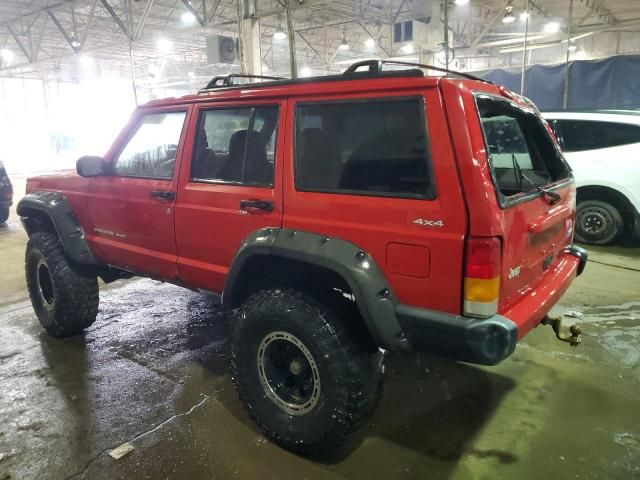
(428, 223)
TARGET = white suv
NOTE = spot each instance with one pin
(603, 149)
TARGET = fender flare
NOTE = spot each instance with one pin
(56, 207)
(374, 297)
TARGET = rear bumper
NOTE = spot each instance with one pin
(491, 340)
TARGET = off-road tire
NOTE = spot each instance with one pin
(64, 300)
(350, 374)
(604, 215)
(4, 214)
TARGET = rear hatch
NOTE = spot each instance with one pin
(535, 191)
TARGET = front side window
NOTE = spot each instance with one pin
(581, 135)
(151, 151)
(521, 153)
(236, 145)
(376, 147)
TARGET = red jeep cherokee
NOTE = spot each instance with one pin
(337, 216)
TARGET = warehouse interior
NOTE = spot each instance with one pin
(148, 390)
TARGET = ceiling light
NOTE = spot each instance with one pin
(524, 16)
(165, 45)
(75, 43)
(461, 2)
(188, 18)
(7, 55)
(369, 43)
(408, 48)
(572, 47)
(552, 27)
(305, 72)
(86, 61)
(192, 74)
(509, 17)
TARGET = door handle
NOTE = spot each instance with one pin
(163, 194)
(248, 205)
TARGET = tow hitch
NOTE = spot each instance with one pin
(556, 323)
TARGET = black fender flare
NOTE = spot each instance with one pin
(58, 210)
(374, 297)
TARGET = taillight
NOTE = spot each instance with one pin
(482, 276)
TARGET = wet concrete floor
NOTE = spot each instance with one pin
(152, 371)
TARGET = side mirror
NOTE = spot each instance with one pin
(90, 166)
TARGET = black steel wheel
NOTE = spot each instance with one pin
(302, 376)
(64, 300)
(597, 222)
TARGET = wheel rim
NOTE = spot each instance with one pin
(596, 222)
(45, 284)
(288, 373)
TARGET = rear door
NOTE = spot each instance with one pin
(536, 225)
(230, 186)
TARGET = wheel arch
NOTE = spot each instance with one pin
(316, 263)
(52, 212)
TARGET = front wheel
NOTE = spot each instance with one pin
(64, 300)
(301, 376)
(598, 222)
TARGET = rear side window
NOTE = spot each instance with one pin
(376, 147)
(236, 145)
(521, 153)
(580, 135)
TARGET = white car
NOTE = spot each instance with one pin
(603, 149)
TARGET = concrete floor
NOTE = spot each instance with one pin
(153, 371)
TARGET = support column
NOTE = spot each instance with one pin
(250, 48)
(250, 44)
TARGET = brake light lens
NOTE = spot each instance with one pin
(482, 276)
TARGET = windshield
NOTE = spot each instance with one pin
(521, 154)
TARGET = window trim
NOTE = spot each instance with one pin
(430, 194)
(505, 202)
(253, 107)
(114, 158)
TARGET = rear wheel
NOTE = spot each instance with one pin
(597, 222)
(301, 376)
(64, 300)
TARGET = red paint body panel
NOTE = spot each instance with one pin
(193, 239)
(209, 223)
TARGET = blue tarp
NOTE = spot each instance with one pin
(610, 83)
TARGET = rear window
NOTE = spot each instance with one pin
(581, 135)
(377, 148)
(521, 153)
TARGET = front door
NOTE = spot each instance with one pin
(132, 207)
(230, 186)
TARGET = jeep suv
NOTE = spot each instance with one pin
(339, 217)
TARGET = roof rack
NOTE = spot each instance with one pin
(228, 80)
(375, 66)
(372, 69)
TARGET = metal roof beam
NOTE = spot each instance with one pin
(64, 33)
(195, 13)
(115, 17)
(25, 52)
